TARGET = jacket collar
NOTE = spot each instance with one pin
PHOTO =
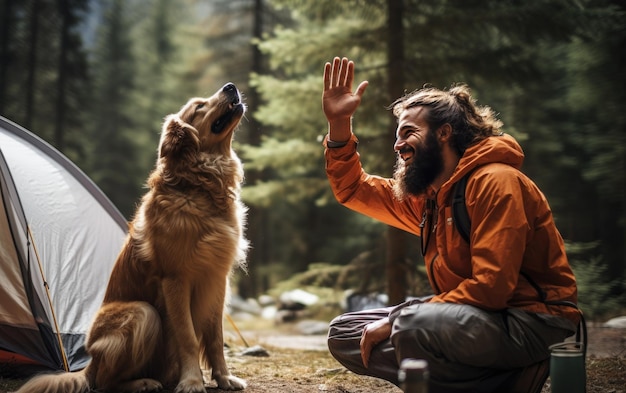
(501, 149)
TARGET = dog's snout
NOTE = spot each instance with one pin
(231, 91)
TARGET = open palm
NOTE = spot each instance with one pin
(338, 101)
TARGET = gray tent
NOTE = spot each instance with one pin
(59, 238)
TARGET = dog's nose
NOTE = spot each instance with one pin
(229, 87)
(232, 93)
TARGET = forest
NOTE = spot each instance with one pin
(95, 78)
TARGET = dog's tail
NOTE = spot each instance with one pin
(75, 382)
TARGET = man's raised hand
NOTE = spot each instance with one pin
(338, 101)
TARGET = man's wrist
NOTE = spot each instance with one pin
(332, 144)
(340, 130)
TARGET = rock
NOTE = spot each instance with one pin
(616, 323)
(266, 300)
(238, 304)
(311, 327)
(367, 301)
(283, 316)
(297, 299)
(243, 316)
(256, 351)
(269, 312)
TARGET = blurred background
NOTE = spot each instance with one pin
(95, 78)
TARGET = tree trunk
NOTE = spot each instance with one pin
(397, 240)
(32, 65)
(5, 56)
(257, 231)
(64, 10)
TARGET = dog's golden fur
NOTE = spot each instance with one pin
(163, 306)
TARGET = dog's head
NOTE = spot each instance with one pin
(203, 124)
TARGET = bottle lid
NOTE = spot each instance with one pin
(413, 369)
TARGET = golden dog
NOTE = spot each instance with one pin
(163, 306)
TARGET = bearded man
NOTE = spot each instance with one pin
(501, 299)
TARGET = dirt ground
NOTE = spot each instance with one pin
(310, 369)
(302, 364)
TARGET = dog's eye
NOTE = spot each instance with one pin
(199, 106)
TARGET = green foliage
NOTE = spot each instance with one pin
(283, 112)
(510, 53)
(599, 107)
(136, 67)
(113, 123)
(291, 155)
(157, 89)
(551, 68)
(600, 296)
(290, 191)
(44, 85)
(316, 275)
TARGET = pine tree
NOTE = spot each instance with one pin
(493, 46)
(43, 70)
(113, 129)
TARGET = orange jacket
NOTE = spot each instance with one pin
(512, 229)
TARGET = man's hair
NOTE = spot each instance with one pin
(470, 123)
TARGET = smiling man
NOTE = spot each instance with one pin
(502, 297)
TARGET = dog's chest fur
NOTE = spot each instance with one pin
(193, 220)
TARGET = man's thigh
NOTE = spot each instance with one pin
(467, 335)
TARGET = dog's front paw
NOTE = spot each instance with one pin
(190, 387)
(230, 382)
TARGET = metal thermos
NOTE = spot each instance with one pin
(567, 368)
(413, 376)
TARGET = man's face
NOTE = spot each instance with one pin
(419, 154)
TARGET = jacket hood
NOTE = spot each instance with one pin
(501, 149)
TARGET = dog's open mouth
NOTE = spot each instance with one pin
(233, 112)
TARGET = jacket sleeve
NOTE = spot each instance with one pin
(368, 194)
(500, 227)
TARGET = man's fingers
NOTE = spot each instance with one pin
(361, 88)
(343, 71)
(327, 69)
(349, 73)
(365, 352)
(366, 345)
(334, 74)
(341, 74)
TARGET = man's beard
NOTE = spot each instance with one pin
(416, 177)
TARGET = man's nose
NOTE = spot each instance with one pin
(399, 144)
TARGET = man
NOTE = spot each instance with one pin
(501, 300)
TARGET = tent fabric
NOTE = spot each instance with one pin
(52, 214)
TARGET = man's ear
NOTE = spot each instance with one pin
(444, 133)
(176, 136)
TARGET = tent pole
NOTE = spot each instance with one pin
(237, 330)
(54, 317)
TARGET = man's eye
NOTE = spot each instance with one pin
(410, 133)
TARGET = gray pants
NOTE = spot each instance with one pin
(467, 348)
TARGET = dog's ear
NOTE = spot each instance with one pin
(177, 137)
